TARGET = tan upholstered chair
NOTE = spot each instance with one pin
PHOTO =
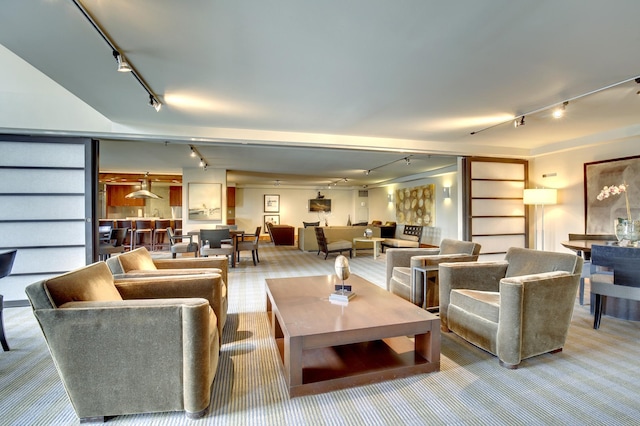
(337, 246)
(515, 309)
(139, 263)
(129, 346)
(401, 261)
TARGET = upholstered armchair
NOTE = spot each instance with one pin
(401, 261)
(129, 346)
(515, 309)
(139, 263)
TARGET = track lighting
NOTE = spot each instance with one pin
(559, 112)
(518, 123)
(196, 154)
(366, 172)
(123, 65)
(407, 160)
(193, 152)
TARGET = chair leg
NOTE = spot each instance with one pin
(581, 292)
(253, 255)
(597, 313)
(3, 339)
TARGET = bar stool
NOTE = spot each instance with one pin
(143, 227)
(128, 225)
(159, 233)
(177, 225)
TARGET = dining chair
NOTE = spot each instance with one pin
(6, 263)
(217, 241)
(249, 245)
(586, 255)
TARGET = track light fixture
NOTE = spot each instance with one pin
(559, 112)
(518, 123)
(407, 160)
(123, 65)
(154, 103)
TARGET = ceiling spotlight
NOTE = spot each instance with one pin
(123, 65)
(407, 160)
(154, 103)
(518, 123)
(201, 163)
(193, 153)
(366, 172)
(559, 112)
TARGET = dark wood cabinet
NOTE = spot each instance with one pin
(116, 196)
(231, 196)
(175, 196)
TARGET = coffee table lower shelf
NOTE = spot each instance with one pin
(339, 367)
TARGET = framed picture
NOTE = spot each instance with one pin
(274, 219)
(600, 215)
(320, 205)
(205, 201)
(271, 203)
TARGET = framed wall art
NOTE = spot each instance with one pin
(271, 203)
(205, 201)
(274, 219)
(416, 206)
(600, 215)
(320, 205)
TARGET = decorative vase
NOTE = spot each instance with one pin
(626, 229)
(349, 221)
(368, 233)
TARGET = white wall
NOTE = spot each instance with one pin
(568, 215)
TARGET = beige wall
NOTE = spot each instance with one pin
(568, 215)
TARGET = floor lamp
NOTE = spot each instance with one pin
(540, 197)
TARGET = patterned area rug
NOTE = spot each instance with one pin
(595, 380)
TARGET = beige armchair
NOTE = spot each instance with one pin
(139, 263)
(117, 354)
(401, 261)
(515, 309)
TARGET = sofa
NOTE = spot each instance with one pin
(307, 240)
(129, 346)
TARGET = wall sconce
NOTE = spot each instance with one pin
(447, 192)
(390, 198)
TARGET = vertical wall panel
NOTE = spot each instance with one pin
(495, 215)
(45, 208)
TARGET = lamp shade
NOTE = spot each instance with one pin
(540, 196)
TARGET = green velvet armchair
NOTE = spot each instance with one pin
(400, 261)
(117, 354)
(139, 263)
(515, 309)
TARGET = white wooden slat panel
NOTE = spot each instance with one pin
(497, 208)
(499, 243)
(37, 234)
(12, 287)
(497, 189)
(13, 207)
(497, 225)
(34, 261)
(34, 154)
(45, 181)
(491, 170)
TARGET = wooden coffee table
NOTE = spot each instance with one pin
(325, 347)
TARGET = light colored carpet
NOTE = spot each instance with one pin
(595, 380)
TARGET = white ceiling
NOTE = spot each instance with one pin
(239, 78)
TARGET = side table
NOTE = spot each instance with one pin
(420, 276)
(376, 244)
